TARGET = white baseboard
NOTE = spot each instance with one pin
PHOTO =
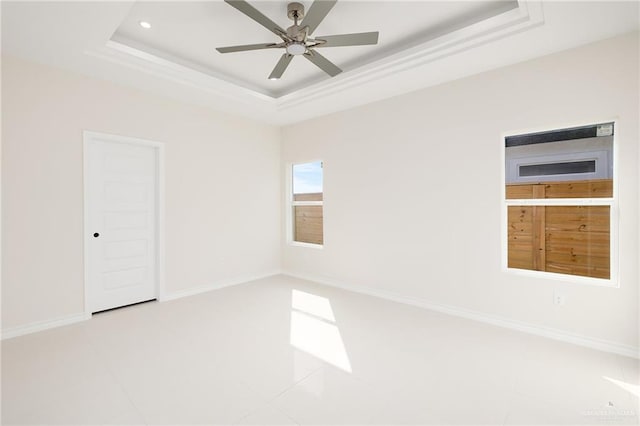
(215, 286)
(551, 333)
(43, 325)
(70, 319)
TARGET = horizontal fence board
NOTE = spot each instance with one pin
(317, 196)
(520, 246)
(577, 260)
(515, 192)
(595, 188)
(520, 228)
(308, 238)
(554, 237)
(580, 189)
(308, 211)
(578, 227)
(521, 263)
(521, 238)
(579, 270)
(525, 253)
(305, 224)
(602, 250)
(582, 211)
(311, 230)
(520, 213)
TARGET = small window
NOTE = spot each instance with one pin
(307, 203)
(561, 168)
(559, 200)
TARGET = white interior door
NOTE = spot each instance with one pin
(121, 195)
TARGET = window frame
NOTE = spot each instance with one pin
(611, 202)
(290, 204)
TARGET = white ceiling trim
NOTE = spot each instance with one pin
(528, 15)
(149, 63)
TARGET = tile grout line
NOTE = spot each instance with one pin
(517, 371)
(269, 400)
(115, 378)
(295, 384)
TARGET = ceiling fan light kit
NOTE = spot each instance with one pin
(296, 48)
(296, 39)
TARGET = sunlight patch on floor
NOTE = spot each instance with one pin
(313, 329)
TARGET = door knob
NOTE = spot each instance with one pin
(96, 235)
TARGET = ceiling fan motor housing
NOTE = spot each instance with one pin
(295, 11)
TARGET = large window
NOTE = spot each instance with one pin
(306, 203)
(559, 202)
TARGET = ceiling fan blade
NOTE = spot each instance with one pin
(317, 13)
(281, 66)
(323, 63)
(256, 15)
(357, 39)
(246, 47)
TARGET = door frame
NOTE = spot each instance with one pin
(90, 137)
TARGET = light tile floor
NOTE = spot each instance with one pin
(286, 351)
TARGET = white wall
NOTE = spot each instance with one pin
(413, 190)
(397, 217)
(222, 188)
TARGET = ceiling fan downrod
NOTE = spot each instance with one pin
(296, 34)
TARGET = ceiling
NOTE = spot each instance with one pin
(421, 43)
(204, 26)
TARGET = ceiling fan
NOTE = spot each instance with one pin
(296, 39)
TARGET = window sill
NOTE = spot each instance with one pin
(310, 245)
(569, 279)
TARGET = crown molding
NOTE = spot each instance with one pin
(527, 16)
(122, 52)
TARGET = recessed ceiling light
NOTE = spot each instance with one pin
(274, 78)
(145, 25)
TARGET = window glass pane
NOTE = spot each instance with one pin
(561, 168)
(556, 164)
(572, 240)
(568, 189)
(308, 224)
(307, 178)
(307, 194)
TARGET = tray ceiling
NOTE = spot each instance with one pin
(421, 44)
(188, 32)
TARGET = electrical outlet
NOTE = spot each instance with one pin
(559, 298)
